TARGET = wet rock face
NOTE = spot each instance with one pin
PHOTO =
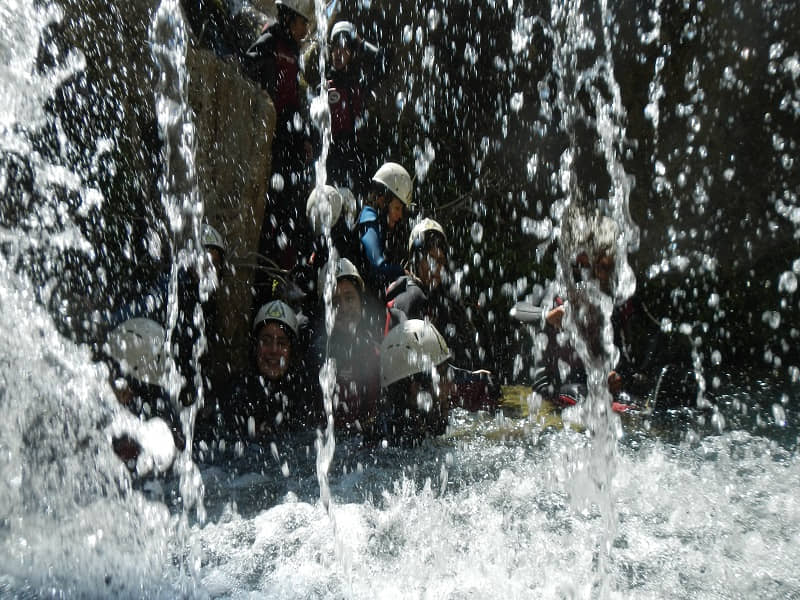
(235, 122)
(109, 102)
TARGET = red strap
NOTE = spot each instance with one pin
(388, 324)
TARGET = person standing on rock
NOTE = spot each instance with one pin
(273, 61)
(355, 67)
(380, 223)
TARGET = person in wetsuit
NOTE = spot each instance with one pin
(426, 293)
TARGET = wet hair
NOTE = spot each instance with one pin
(379, 189)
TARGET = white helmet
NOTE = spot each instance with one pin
(345, 27)
(279, 311)
(304, 8)
(344, 269)
(412, 347)
(425, 226)
(211, 238)
(323, 208)
(396, 179)
(137, 345)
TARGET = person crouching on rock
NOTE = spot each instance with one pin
(149, 436)
(351, 348)
(427, 294)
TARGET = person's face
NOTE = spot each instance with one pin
(273, 351)
(347, 302)
(394, 213)
(298, 28)
(431, 268)
(341, 55)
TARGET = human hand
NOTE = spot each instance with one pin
(555, 316)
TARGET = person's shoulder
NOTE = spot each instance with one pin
(397, 287)
(267, 40)
(367, 215)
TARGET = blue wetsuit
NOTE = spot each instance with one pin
(371, 233)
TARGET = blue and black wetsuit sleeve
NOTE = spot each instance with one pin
(373, 250)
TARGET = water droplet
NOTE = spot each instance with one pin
(728, 174)
(540, 229)
(516, 101)
(276, 183)
(716, 357)
(779, 414)
(476, 231)
(771, 318)
(713, 300)
(433, 19)
(787, 282)
(776, 50)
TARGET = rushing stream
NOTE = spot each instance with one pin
(702, 503)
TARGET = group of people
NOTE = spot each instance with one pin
(390, 351)
(370, 337)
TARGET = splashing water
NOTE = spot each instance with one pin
(504, 507)
(180, 197)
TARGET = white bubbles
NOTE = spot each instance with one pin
(716, 358)
(400, 101)
(408, 34)
(728, 174)
(788, 282)
(540, 229)
(779, 414)
(470, 54)
(276, 182)
(776, 50)
(434, 17)
(423, 158)
(771, 318)
(428, 58)
(476, 232)
(517, 100)
(713, 300)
